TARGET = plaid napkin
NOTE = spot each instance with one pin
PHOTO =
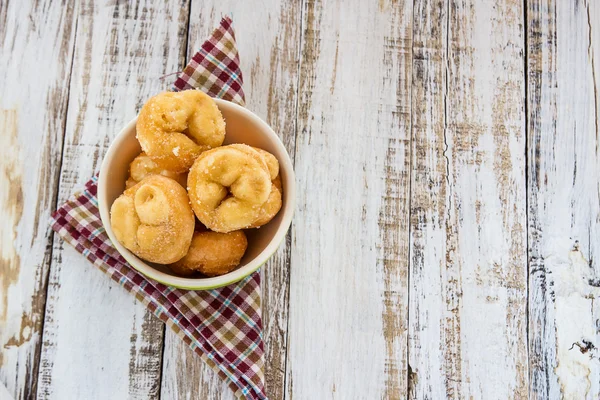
(223, 326)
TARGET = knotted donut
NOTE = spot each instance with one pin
(153, 219)
(274, 202)
(174, 128)
(228, 187)
(142, 166)
(212, 253)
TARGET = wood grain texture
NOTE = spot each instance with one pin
(36, 44)
(564, 198)
(186, 376)
(405, 274)
(348, 288)
(268, 39)
(99, 342)
(468, 292)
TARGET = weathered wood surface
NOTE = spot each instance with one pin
(468, 275)
(349, 260)
(111, 349)
(442, 148)
(269, 61)
(563, 41)
(36, 44)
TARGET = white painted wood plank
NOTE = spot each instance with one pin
(99, 343)
(349, 259)
(36, 44)
(186, 376)
(564, 198)
(468, 275)
(268, 38)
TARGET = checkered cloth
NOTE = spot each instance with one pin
(215, 68)
(223, 326)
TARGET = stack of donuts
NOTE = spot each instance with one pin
(188, 198)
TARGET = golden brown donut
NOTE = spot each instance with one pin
(153, 219)
(142, 166)
(212, 253)
(228, 187)
(269, 159)
(273, 204)
(174, 128)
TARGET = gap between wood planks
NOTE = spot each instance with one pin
(290, 232)
(526, 155)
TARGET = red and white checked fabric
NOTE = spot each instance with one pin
(215, 68)
(223, 326)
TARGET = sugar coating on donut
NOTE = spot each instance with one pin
(142, 166)
(228, 186)
(268, 159)
(274, 202)
(174, 128)
(271, 161)
(272, 205)
(212, 253)
(153, 219)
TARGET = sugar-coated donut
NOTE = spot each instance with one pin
(142, 166)
(274, 202)
(228, 187)
(272, 206)
(269, 160)
(174, 128)
(212, 253)
(153, 219)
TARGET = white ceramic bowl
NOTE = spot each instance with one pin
(242, 127)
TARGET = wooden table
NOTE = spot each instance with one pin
(447, 231)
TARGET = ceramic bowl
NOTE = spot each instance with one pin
(243, 126)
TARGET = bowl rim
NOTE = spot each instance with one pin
(217, 281)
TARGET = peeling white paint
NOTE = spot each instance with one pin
(573, 303)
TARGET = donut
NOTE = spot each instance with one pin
(142, 166)
(212, 253)
(272, 206)
(228, 187)
(274, 202)
(269, 159)
(153, 219)
(174, 128)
